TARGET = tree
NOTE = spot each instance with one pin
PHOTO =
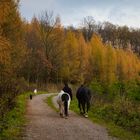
(97, 57)
(12, 51)
(70, 61)
(89, 27)
(109, 33)
(83, 54)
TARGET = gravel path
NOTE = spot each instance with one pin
(46, 124)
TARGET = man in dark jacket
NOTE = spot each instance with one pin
(68, 90)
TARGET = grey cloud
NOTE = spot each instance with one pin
(71, 11)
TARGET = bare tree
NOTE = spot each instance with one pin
(89, 27)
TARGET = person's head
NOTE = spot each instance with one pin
(66, 84)
(85, 83)
(82, 85)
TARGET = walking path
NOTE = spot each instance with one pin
(46, 124)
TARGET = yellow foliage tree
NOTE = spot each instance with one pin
(110, 64)
(5, 59)
(97, 57)
(71, 60)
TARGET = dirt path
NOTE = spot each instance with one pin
(45, 124)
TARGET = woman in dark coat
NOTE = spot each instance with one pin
(68, 90)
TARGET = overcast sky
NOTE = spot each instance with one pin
(71, 12)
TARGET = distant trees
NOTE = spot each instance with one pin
(88, 27)
(100, 53)
(117, 36)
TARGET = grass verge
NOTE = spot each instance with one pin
(12, 123)
(13, 120)
(48, 100)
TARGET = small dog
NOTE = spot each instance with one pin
(30, 96)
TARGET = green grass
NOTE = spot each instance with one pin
(42, 92)
(113, 129)
(14, 120)
(48, 100)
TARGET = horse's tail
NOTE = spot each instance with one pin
(65, 98)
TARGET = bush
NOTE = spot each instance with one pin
(122, 112)
(9, 89)
(96, 87)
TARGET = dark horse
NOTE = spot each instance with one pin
(83, 96)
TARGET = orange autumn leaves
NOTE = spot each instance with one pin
(43, 50)
(112, 64)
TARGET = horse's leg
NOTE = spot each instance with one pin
(59, 107)
(88, 106)
(61, 110)
(83, 106)
(68, 105)
(79, 105)
(66, 108)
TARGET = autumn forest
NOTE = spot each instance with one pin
(105, 56)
